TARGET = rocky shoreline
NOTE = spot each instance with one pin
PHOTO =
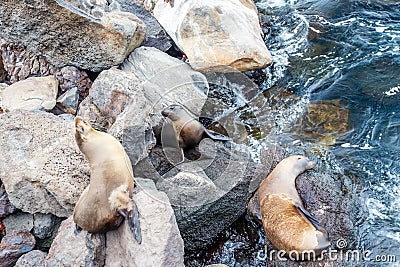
(118, 64)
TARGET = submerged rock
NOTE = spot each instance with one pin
(69, 36)
(215, 34)
(34, 258)
(35, 93)
(324, 121)
(42, 168)
(14, 245)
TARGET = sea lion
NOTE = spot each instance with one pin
(188, 131)
(108, 198)
(287, 223)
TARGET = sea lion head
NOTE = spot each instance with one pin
(94, 144)
(175, 113)
(300, 163)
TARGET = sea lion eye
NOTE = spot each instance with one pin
(299, 158)
(172, 107)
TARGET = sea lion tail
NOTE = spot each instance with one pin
(132, 218)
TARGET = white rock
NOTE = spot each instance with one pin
(35, 93)
(215, 33)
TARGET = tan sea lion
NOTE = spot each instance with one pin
(108, 198)
(287, 223)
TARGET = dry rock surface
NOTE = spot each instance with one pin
(35, 93)
(66, 34)
(14, 245)
(42, 169)
(161, 244)
(33, 258)
(215, 34)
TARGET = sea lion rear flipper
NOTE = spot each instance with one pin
(310, 218)
(132, 218)
(216, 136)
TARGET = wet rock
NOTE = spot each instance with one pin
(328, 196)
(13, 245)
(59, 22)
(6, 207)
(42, 168)
(127, 103)
(68, 102)
(35, 93)
(155, 34)
(161, 244)
(210, 193)
(43, 225)
(215, 33)
(33, 258)
(18, 221)
(324, 121)
(72, 247)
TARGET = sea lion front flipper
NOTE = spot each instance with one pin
(170, 144)
(216, 136)
(132, 218)
(309, 217)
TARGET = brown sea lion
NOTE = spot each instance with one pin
(188, 131)
(108, 198)
(287, 223)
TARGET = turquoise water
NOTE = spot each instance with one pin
(335, 50)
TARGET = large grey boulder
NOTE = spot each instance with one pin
(161, 244)
(72, 247)
(128, 102)
(35, 93)
(18, 221)
(67, 36)
(42, 168)
(207, 194)
(215, 33)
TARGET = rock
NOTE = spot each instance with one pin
(70, 77)
(161, 244)
(3, 72)
(59, 22)
(33, 258)
(325, 121)
(209, 194)
(13, 245)
(18, 221)
(6, 207)
(21, 63)
(127, 103)
(35, 93)
(214, 34)
(76, 248)
(155, 34)
(217, 265)
(43, 225)
(42, 168)
(68, 102)
(326, 195)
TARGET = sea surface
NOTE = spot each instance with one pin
(347, 52)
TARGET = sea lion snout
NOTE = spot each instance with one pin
(311, 164)
(82, 129)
